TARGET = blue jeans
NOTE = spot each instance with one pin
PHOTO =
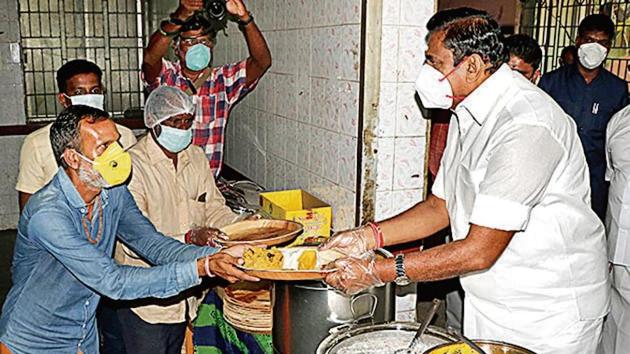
(109, 328)
(141, 337)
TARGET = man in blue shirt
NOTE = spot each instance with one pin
(591, 95)
(62, 261)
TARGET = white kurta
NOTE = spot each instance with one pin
(617, 328)
(513, 162)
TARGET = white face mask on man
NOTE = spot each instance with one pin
(434, 89)
(592, 55)
(91, 100)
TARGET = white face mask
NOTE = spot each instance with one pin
(592, 55)
(92, 100)
(433, 88)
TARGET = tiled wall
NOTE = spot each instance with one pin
(299, 129)
(401, 127)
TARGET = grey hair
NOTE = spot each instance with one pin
(65, 131)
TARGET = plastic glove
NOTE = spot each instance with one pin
(353, 242)
(204, 236)
(354, 274)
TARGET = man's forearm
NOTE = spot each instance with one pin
(422, 220)
(478, 251)
(158, 47)
(259, 55)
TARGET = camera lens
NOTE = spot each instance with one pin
(216, 8)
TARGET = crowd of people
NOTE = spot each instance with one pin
(529, 173)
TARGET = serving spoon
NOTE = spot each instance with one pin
(423, 327)
(460, 336)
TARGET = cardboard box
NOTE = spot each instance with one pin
(298, 205)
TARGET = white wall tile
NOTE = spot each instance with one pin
(416, 13)
(303, 98)
(391, 12)
(387, 110)
(409, 119)
(291, 141)
(319, 101)
(347, 106)
(348, 162)
(349, 63)
(383, 205)
(389, 54)
(304, 146)
(403, 200)
(344, 207)
(320, 62)
(408, 163)
(316, 157)
(304, 13)
(333, 51)
(410, 53)
(330, 149)
(350, 11)
(385, 164)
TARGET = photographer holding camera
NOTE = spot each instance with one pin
(191, 30)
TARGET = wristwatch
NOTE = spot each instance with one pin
(401, 275)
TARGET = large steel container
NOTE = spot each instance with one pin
(304, 312)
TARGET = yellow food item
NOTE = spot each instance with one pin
(261, 258)
(460, 348)
(307, 260)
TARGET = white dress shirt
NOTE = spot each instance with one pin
(513, 162)
(618, 174)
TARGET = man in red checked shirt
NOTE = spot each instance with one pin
(214, 90)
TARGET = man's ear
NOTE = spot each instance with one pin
(475, 68)
(536, 76)
(71, 158)
(63, 100)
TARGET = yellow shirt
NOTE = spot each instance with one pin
(37, 161)
(175, 200)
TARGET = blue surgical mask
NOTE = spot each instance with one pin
(198, 57)
(173, 139)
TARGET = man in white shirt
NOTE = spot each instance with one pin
(79, 82)
(616, 338)
(513, 186)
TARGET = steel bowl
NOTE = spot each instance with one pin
(489, 346)
(346, 338)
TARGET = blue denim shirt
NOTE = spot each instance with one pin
(59, 276)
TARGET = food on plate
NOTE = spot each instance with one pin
(261, 258)
(289, 258)
(307, 260)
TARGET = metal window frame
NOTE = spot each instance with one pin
(111, 33)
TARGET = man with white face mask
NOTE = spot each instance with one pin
(591, 95)
(79, 82)
(174, 188)
(513, 186)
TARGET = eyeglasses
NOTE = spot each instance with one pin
(189, 42)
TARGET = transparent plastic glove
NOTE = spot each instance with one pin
(205, 236)
(354, 274)
(353, 242)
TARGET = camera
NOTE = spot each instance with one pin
(215, 9)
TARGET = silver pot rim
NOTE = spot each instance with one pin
(335, 338)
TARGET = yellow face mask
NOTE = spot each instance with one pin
(114, 164)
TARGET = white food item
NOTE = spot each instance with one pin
(384, 342)
(291, 256)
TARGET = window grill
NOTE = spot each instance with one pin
(108, 32)
(554, 23)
